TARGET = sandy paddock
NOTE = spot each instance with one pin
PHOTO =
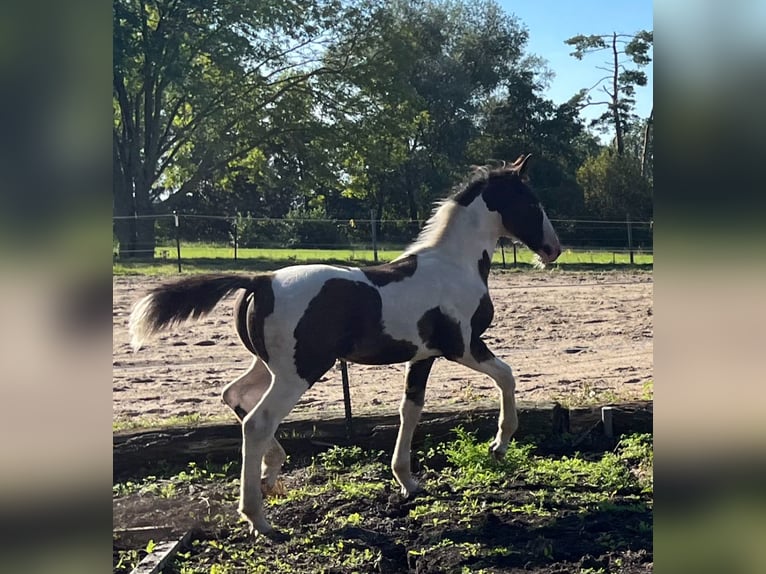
(569, 336)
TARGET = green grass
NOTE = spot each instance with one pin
(167, 485)
(206, 257)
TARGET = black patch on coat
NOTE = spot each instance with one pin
(240, 319)
(344, 320)
(417, 377)
(251, 309)
(240, 412)
(441, 332)
(484, 265)
(380, 275)
(470, 192)
(480, 320)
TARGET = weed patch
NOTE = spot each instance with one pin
(576, 513)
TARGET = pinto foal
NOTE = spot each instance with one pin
(432, 301)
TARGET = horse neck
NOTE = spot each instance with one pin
(460, 233)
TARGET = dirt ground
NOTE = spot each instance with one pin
(351, 519)
(575, 337)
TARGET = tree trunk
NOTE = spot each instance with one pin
(124, 228)
(145, 238)
(135, 235)
(645, 147)
(616, 98)
(122, 207)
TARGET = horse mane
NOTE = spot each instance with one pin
(444, 209)
(435, 225)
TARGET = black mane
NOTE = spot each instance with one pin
(478, 181)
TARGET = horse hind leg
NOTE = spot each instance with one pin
(273, 460)
(242, 395)
(258, 429)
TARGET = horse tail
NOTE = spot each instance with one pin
(191, 297)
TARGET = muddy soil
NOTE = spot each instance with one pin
(511, 527)
(570, 336)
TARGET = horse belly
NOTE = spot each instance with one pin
(381, 350)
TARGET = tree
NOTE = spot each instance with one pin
(647, 148)
(418, 87)
(614, 187)
(620, 82)
(519, 120)
(198, 86)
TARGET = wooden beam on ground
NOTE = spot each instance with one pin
(139, 536)
(163, 552)
(303, 438)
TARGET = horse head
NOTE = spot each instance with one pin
(522, 215)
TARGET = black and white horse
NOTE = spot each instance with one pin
(432, 301)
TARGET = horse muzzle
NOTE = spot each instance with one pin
(549, 253)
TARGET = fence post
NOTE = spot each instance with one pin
(374, 236)
(178, 240)
(234, 225)
(630, 239)
(502, 251)
(346, 398)
(607, 419)
(515, 264)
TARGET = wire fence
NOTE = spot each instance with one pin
(169, 231)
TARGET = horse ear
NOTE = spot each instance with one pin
(521, 168)
(517, 162)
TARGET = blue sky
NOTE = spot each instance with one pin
(550, 22)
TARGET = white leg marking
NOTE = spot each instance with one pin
(502, 374)
(272, 463)
(409, 414)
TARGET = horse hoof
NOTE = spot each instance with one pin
(274, 535)
(496, 453)
(275, 490)
(409, 494)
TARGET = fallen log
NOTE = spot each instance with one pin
(138, 451)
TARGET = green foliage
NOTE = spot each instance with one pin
(345, 503)
(476, 466)
(614, 187)
(252, 110)
(569, 472)
(620, 83)
(341, 458)
(207, 95)
(127, 560)
(638, 450)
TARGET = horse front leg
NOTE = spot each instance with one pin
(416, 377)
(502, 374)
